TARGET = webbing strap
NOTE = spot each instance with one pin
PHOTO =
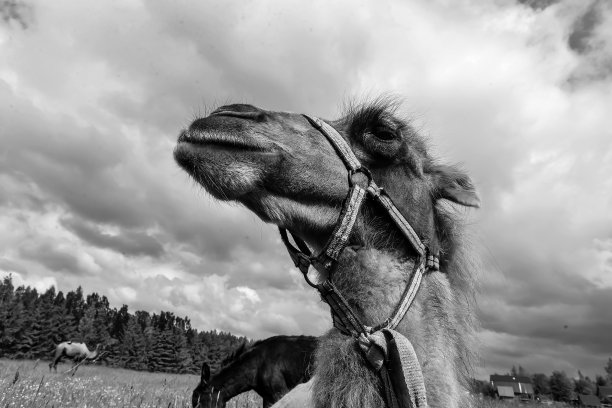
(407, 298)
(301, 259)
(347, 218)
(388, 389)
(347, 321)
(392, 351)
(397, 217)
(342, 148)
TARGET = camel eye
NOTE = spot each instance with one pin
(382, 142)
(386, 135)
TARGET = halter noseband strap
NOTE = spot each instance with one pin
(325, 262)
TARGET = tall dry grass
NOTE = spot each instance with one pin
(493, 403)
(26, 383)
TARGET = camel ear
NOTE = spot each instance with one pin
(205, 375)
(454, 185)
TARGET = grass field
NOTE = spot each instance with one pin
(492, 403)
(25, 383)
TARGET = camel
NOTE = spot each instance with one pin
(286, 170)
(78, 352)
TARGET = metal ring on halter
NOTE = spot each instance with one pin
(313, 283)
(356, 172)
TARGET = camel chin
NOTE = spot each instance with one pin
(312, 221)
(217, 170)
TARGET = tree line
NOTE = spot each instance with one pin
(32, 324)
(559, 386)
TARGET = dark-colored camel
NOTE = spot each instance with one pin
(281, 167)
(77, 352)
(271, 367)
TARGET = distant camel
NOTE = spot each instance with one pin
(78, 352)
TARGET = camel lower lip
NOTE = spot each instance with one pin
(217, 144)
(207, 140)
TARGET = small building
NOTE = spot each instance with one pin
(605, 394)
(588, 401)
(505, 392)
(510, 386)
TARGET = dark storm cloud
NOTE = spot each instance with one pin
(539, 355)
(16, 11)
(582, 32)
(242, 262)
(538, 277)
(215, 238)
(54, 258)
(586, 325)
(16, 190)
(93, 175)
(538, 4)
(125, 241)
(590, 38)
(72, 162)
(262, 80)
(10, 265)
(93, 109)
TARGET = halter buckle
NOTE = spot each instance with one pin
(432, 261)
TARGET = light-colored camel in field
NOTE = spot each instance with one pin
(282, 168)
(77, 352)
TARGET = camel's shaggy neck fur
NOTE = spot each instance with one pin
(439, 324)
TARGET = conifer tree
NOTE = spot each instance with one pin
(584, 385)
(541, 384)
(608, 369)
(183, 359)
(132, 350)
(75, 305)
(560, 386)
(162, 356)
(31, 324)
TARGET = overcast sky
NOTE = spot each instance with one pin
(93, 95)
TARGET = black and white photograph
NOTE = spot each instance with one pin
(308, 204)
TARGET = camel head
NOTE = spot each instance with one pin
(285, 171)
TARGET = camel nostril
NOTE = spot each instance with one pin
(183, 137)
(237, 107)
(240, 111)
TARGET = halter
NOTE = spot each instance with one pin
(326, 261)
